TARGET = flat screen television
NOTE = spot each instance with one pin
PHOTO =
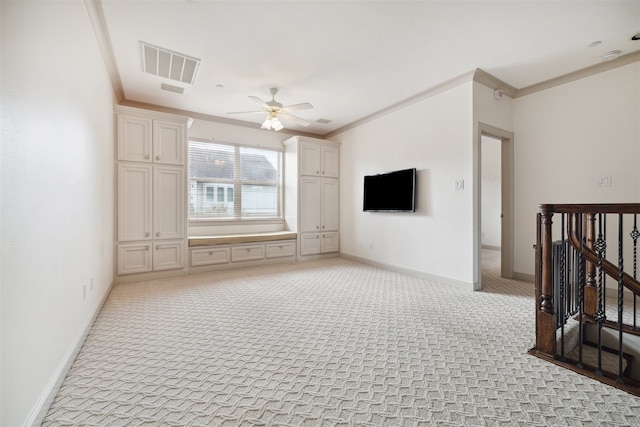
(390, 192)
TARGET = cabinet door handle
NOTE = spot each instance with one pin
(157, 157)
(146, 248)
(322, 172)
(158, 234)
(146, 234)
(146, 156)
(210, 253)
(317, 172)
(323, 227)
(317, 227)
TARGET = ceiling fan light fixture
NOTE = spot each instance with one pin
(266, 124)
(276, 124)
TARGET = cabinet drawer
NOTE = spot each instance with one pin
(277, 250)
(247, 253)
(209, 256)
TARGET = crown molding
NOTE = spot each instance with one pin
(442, 87)
(210, 118)
(99, 25)
(579, 74)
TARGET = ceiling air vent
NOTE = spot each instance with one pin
(168, 64)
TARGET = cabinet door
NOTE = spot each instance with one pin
(134, 202)
(168, 255)
(330, 158)
(168, 202)
(329, 242)
(329, 205)
(309, 204)
(134, 258)
(168, 142)
(134, 139)
(309, 159)
(309, 244)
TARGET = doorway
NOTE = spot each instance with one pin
(495, 201)
(491, 204)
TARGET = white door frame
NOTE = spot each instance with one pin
(507, 196)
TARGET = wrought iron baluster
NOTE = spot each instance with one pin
(580, 284)
(634, 235)
(600, 247)
(620, 297)
(562, 303)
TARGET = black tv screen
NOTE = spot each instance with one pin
(390, 192)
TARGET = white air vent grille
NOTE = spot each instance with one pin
(168, 64)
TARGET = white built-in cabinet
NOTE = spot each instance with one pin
(151, 191)
(312, 193)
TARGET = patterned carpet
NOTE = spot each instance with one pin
(324, 343)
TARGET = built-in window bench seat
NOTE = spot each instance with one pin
(216, 252)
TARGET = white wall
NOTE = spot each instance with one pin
(567, 136)
(435, 136)
(57, 199)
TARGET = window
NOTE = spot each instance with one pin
(234, 182)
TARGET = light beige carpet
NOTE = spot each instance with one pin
(326, 343)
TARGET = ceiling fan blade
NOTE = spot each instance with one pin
(259, 101)
(246, 112)
(293, 118)
(298, 107)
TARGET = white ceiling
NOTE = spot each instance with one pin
(351, 59)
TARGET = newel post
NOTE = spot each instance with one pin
(545, 316)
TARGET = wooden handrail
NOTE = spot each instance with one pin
(592, 208)
(610, 269)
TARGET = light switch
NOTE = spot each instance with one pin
(603, 181)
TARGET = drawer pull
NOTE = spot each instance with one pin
(157, 157)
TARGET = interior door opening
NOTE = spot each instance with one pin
(491, 204)
(494, 207)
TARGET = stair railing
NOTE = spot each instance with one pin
(572, 272)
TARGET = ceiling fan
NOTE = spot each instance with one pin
(275, 110)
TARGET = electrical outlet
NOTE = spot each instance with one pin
(603, 181)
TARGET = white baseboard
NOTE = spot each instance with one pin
(40, 409)
(458, 284)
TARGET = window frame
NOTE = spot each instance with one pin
(236, 188)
